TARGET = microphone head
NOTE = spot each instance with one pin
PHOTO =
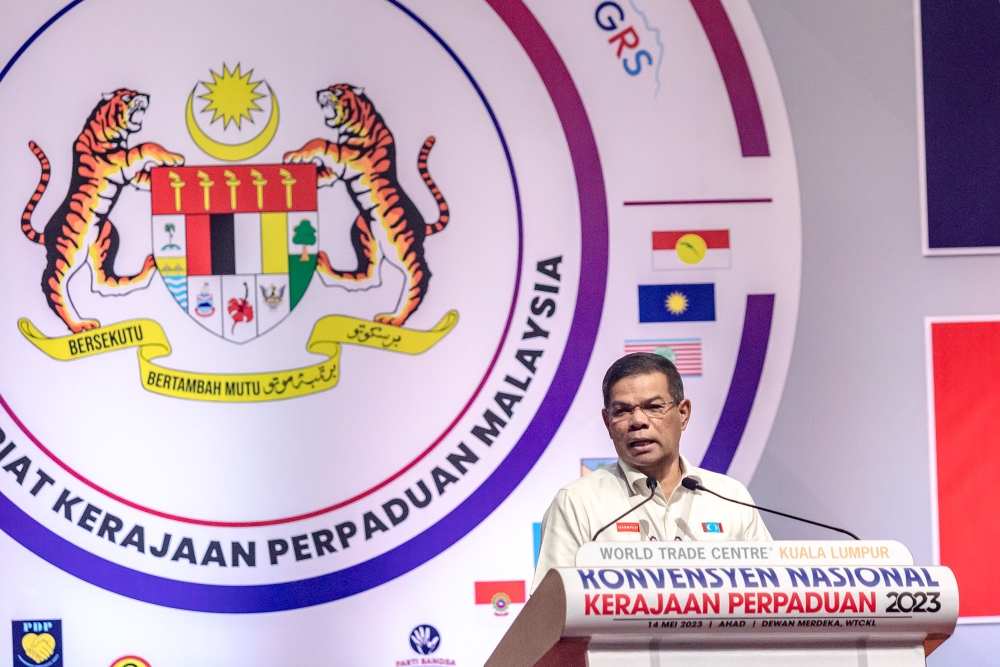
(690, 483)
(651, 483)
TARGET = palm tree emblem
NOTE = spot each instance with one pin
(170, 228)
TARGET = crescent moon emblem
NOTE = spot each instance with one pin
(233, 152)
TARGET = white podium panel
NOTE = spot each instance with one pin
(864, 611)
(862, 656)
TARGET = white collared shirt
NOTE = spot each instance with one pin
(585, 505)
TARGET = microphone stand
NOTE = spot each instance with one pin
(692, 484)
(651, 484)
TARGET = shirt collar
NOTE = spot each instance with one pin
(637, 480)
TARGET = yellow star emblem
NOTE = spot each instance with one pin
(231, 96)
(676, 303)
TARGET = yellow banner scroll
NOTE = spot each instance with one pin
(327, 335)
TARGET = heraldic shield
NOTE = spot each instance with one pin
(236, 245)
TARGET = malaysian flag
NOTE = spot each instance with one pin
(684, 352)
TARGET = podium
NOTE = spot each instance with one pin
(754, 604)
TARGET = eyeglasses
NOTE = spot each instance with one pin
(652, 410)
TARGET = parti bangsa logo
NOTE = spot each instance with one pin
(245, 279)
(425, 640)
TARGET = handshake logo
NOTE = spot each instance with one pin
(37, 643)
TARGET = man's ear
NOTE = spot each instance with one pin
(607, 419)
(684, 408)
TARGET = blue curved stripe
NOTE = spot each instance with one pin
(743, 388)
(37, 33)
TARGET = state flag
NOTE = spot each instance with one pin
(703, 249)
(965, 365)
(500, 594)
(677, 303)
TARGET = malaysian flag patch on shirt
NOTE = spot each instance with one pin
(712, 527)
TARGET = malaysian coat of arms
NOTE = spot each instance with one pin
(236, 244)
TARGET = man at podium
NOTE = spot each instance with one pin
(645, 413)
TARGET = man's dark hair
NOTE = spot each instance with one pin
(643, 363)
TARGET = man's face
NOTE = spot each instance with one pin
(645, 443)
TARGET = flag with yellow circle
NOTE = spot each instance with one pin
(703, 249)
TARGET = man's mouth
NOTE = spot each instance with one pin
(637, 444)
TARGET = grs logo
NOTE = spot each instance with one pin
(425, 639)
(610, 17)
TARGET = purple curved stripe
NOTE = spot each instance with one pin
(743, 388)
(736, 74)
(589, 179)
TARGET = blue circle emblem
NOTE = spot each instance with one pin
(425, 639)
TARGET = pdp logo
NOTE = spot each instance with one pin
(37, 643)
(425, 639)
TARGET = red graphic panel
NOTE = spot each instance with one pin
(251, 188)
(714, 238)
(966, 367)
(199, 245)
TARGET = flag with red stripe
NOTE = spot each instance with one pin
(500, 594)
(486, 590)
(684, 352)
(700, 249)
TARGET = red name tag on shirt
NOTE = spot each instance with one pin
(627, 526)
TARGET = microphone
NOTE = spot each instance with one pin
(651, 484)
(692, 484)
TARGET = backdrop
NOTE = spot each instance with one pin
(243, 407)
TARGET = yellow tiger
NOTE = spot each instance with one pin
(80, 232)
(389, 226)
